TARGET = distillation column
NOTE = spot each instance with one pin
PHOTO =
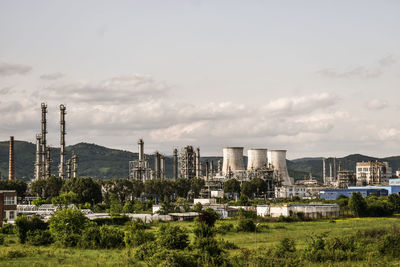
(74, 166)
(11, 166)
(162, 166)
(324, 170)
(156, 165)
(62, 142)
(175, 163)
(48, 162)
(38, 152)
(198, 163)
(44, 144)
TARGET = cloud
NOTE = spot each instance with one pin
(52, 76)
(376, 104)
(122, 89)
(364, 72)
(299, 105)
(8, 69)
(6, 90)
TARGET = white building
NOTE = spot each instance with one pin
(309, 210)
(290, 191)
(373, 173)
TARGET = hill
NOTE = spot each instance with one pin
(102, 162)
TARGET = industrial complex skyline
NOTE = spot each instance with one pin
(318, 80)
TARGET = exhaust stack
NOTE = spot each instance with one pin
(62, 142)
(11, 166)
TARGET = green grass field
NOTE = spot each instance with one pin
(14, 254)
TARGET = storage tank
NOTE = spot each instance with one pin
(233, 160)
(277, 158)
(256, 158)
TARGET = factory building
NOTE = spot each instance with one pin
(345, 179)
(373, 173)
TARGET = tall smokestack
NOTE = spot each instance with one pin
(141, 150)
(11, 166)
(198, 163)
(175, 163)
(212, 168)
(157, 164)
(330, 171)
(334, 168)
(162, 164)
(62, 142)
(74, 166)
(207, 170)
(219, 166)
(44, 144)
(38, 153)
(48, 162)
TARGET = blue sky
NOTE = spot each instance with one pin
(319, 78)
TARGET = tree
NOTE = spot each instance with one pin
(65, 199)
(172, 237)
(248, 189)
(86, 189)
(24, 225)
(232, 186)
(66, 226)
(260, 186)
(17, 185)
(47, 188)
(395, 200)
(196, 184)
(358, 205)
(182, 187)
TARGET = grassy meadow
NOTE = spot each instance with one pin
(270, 233)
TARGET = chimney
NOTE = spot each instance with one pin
(11, 166)
(44, 145)
(62, 142)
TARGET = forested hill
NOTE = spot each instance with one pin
(101, 162)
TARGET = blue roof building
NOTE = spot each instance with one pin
(335, 193)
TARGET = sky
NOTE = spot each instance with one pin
(318, 78)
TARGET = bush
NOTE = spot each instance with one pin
(208, 216)
(145, 251)
(173, 258)
(246, 225)
(1, 239)
(136, 235)
(24, 225)
(115, 220)
(286, 245)
(90, 237)
(39, 238)
(172, 237)
(111, 237)
(224, 228)
(67, 225)
(7, 229)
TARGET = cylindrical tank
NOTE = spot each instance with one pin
(233, 160)
(256, 158)
(277, 158)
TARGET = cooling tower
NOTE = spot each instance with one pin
(233, 160)
(277, 158)
(256, 158)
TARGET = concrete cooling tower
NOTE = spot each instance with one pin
(277, 158)
(256, 158)
(233, 160)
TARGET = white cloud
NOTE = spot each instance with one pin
(52, 76)
(376, 104)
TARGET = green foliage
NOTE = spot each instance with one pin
(244, 200)
(208, 216)
(111, 237)
(358, 205)
(86, 189)
(47, 188)
(17, 185)
(90, 237)
(39, 237)
(39, 201)
(128, 207)
(196, 184)
(286, 245)
(172, 258)
(232, 186)
(172, 237)
(114, 220)
(1, 239)
(247, 189)
(67, 225)
(224, 228)
(198, 207)
(136, 235)
(24, 225)
(246, 225)
(65, 199)
(7, 229)
(115, 206)
(394, 199)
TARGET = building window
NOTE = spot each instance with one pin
(9, 200)
(12, 215)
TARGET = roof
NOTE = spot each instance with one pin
(184, 214)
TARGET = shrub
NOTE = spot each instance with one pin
(172, 237)
(1, 239)
(173, 258)
(39, 238)
(246, 225)
(224, 228)
(24, 225)
(227, 244)
(7, 229)
(285, 245)
(115, 220)
(208, 216)
(111, 237)
(67, 225)
(90, 237)
(145, 251)
(136, 235)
